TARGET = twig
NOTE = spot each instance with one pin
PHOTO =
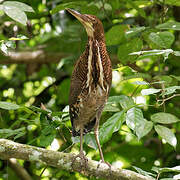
(163, 100)
(18, 169)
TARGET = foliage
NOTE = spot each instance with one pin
(140, 123)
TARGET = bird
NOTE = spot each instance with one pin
(90, 82)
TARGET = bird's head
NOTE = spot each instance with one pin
(92, 24)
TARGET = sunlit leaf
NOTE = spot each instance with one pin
(19, 38)
(131, 117)
(10, 44)
(8, 105)
(166, 169)
(162, 39)
(154, 52)
(111, 107)
(18, 5)
(3, 48)
(164, 118)
(170, 90)
(176, 177)
(169, 25)
(150, 91)
(136, 122)
(127, 102)
(111, 125)
(166, 134)
(148, 125)
(140, 83)
(176, 53)
(16, 14)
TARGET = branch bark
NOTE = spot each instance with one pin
(10, 149)
(29, 57)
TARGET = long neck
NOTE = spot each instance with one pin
(96, 52)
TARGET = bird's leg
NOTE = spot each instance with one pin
(96, 133)
(81, 153)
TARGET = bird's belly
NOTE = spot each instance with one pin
(89, 106)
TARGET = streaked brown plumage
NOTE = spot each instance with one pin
(90, 82)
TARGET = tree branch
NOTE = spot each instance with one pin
(29, 57)
(10, 149)
(18, 169)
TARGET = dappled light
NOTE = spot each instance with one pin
(139, 130)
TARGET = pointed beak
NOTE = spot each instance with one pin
(82, 18)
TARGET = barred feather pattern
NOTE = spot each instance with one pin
(90, 85)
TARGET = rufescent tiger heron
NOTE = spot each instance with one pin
(90, 82)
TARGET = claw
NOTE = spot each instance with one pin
(83, 158)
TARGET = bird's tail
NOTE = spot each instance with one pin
(87, 128)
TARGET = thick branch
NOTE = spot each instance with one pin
(28, 57)
(19, 170)
(10, 149)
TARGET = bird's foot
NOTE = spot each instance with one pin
(83, 158)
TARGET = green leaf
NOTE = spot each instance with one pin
(166, 134)
(134, 6)
(116, 35)
(90, 140)
(148, 125)
(136, 122)
(125, 49)
(166, 169)
(134, 32)
(3, 48)
(170, 90)
(176, 53)
(162, 39)
(144, 173)
(127, 102)
(169, 25)
(176, 177)
(111, 107)
(176, 77)
(18, 38)
(15, 13)
(46, 140)
(154, 52)
(140, 83)
(67, 5)
(133, 115)
(164, 118)
(113, 124)
(6, 133)
(18, 5)
(10, 44)
(117, 99)
(149, 91)
(172, 2)
(8, 105)
(114, 101)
